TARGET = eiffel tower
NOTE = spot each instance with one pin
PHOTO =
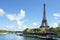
(44, 21)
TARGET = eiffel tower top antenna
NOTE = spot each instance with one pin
(44, 14)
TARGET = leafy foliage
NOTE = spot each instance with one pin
(43, 30)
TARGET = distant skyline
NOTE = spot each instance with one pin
(21, 14)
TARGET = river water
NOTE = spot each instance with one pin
(15, 37)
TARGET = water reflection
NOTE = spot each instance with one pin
(30, 38)
(26, 38)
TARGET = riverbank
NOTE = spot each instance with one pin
(38, 36)
(41, 37)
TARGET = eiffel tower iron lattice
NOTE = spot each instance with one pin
(44, 21)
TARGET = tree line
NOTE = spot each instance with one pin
(43, 30)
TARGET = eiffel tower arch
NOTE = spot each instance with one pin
(44, 21)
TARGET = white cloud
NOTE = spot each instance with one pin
(19, 23)
(24, 27)
(21, 15)
(1, 12)
(11, 17)
(34, 24)
(56, 15)
(18, 18)
(10, 27)
(55, 24)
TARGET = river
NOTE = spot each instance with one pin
(15, 37)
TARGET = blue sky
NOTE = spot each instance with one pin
(21, 14)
